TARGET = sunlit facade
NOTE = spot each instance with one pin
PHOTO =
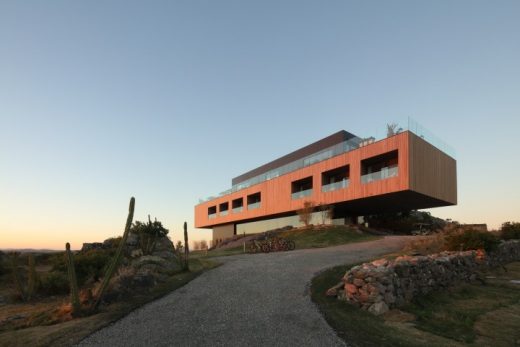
(355, 176)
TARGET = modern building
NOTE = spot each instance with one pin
(356, 176)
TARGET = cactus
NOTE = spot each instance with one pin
(73, 282)
(115, 260)
(186, 248)
(16, 277)
(32, 280)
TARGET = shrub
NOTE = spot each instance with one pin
(427, 245)
(471, 239)
(54, 283)
(149, 233)
(510, 230)
(305, 213)
(89, 265)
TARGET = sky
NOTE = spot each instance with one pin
(168, 100)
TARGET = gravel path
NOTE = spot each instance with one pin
(259, 300)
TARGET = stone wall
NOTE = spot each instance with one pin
(382, 284)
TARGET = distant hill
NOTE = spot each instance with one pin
(29, 250)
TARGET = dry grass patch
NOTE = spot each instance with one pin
(48, 323)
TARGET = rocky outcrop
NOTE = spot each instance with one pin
(140, 272)
(383, 284)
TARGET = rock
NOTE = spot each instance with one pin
(132, 239)
(148, 259)
(358, 282)
(350, 288)
(372, 289)
(333, 291)
(136, 253)
(164, 254)
(378, 308)
(380, 262)
(389, 298)
(91, 246)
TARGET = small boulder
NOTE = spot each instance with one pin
(378, 308)
(350, 288)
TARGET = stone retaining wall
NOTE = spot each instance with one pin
(382, 284)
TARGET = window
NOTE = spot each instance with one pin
(335, 179)
(253, 201)
(379, 167)
(212, 212)
(223, 208)
(301, 188)
(237, 205)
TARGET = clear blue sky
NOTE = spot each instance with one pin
(168, 100)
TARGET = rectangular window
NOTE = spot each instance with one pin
(253, 201)
(237, 205)
(212, 212)
(379, 167)
(301, 188)
(223, 209)
(335, 179)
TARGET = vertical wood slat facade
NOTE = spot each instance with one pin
(432, 172)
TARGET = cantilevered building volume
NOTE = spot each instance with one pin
(358, 177)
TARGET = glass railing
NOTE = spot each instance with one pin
(385, 172)
(324, 154)
(302, 194)
(212, 216)
(428, 136)
(335, 186)
(253, 206)
(238, 209)
(223, 213)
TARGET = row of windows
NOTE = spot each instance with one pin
(372, 169)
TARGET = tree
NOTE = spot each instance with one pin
(392, 129)
(203, 244)
(305, 213)
(325, 212)
(179, 247)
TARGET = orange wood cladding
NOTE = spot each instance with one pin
(276, 193)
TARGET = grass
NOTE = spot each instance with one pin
(465, 315)
(72, 331)
(313, 237)
(454, 313)
(217, 253)
(325, 236)
(355, 326)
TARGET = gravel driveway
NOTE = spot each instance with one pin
(251, 300)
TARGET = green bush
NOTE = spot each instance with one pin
(471, 239)
(89, 265)
(54, 283)
(510, 230)
(149, 233)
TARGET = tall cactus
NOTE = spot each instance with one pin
(31, 277)
(73, 282)
(186, 247)
(116, 259)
